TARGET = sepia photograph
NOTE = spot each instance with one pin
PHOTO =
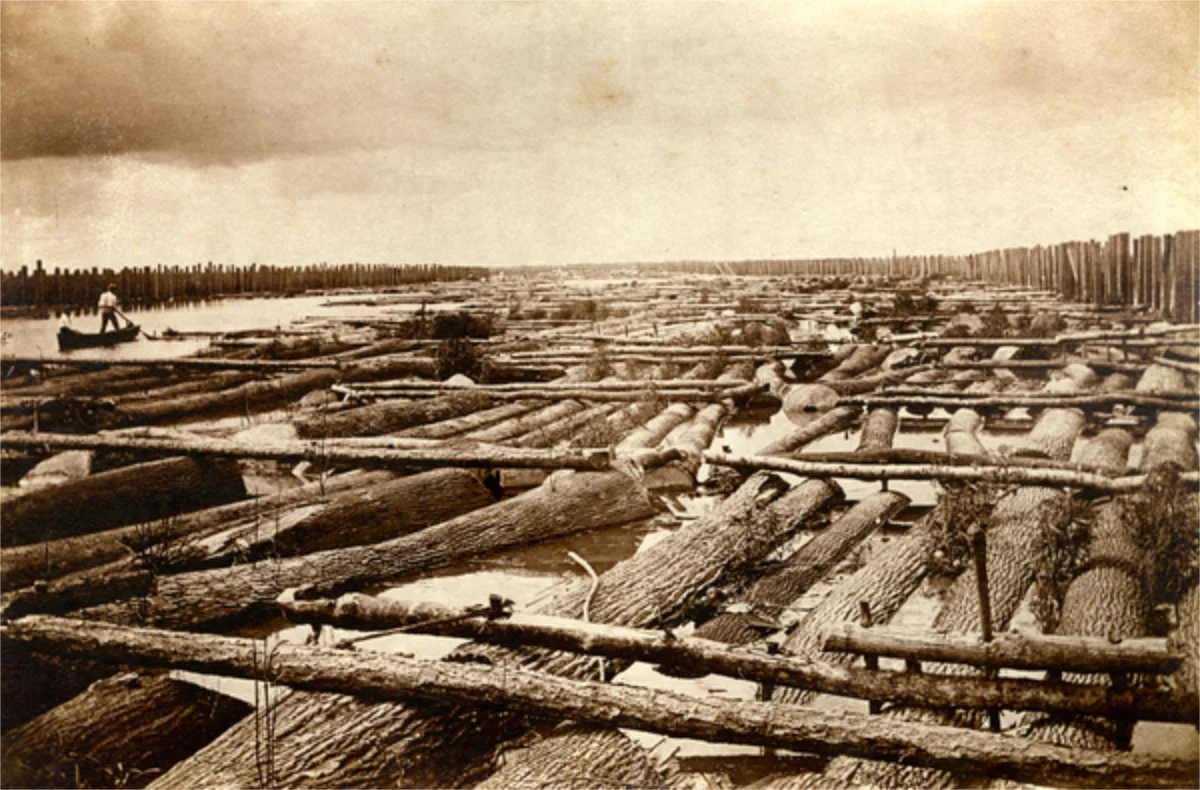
(594, 394)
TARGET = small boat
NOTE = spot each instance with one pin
(69, 339)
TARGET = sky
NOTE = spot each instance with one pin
(502, 133)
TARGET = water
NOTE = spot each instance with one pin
(33, 337)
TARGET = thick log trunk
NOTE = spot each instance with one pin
(1186, 640)
(252, 396)
(655, 430)
(860, 384)
(563, 505)
(862, 359)
(522, 424)
(651, 587)
(1160, 379)
(837, 419)
(21, 566)
(474, 421)
(805, 568)
(519, 690)
(574, 757)
(122, 732)
(563, 429)
(692, 442)
(357, 517)
(126, 495)
(878, 430)
(389, 416)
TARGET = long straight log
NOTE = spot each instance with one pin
(129, 494)
(577, 392)
(21, 566)
(392, 677)
(563, 505)
(652, 587)
(1013, 650)
(691, 442)
(1034, 476)
(525, 423)
(253, 395)
(837, 419)
(522, 629)
(468, 422)
(906, 455)
(389, 416)
(1041, 400)
(181, 363)
(475, 455)
(123, 731)
(615, 385)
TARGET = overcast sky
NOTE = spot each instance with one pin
(506, 133)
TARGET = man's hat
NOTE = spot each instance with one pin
(112, 286)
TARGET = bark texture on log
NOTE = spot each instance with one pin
(423, 741)
(469, 422)
(563, 505)
(575, 758)
(1112, 596)
(388, 416)
(126, 495)
(509, 689)
(878, 430)
(863, 358)
(1014, 527)
(368, 514)
(87, 560)
(525, 423)
(251, 396)
(1160, 379)
(121, 732)
(806, 567)
(839, 418)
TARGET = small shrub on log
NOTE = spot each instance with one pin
(1165, 514)
(458, 355)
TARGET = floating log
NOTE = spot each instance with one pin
(1013, 650)
(840, 418)
(691, 443)
(256, 395)
(123, 730)
(563, 505)
(325, 454)
(613, 385)
(580, 392)
(473, 421)
(1034, 476)
(522, 629)
(364, 515)
(804, 568)
(389, 416)
(128, 494)
(525, 423)
(1032, 400)
(904, 455)
(614, 760)
(182, 363)
(21, 566)
(861, 384)
(390, 676)
(862, 358)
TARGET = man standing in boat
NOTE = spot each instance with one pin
(108, 308)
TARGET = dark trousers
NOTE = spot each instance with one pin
(105, 318)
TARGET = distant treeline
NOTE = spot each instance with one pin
(149, 286)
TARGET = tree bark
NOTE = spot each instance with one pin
(1014, 650)
(1014, 526)
(512, 689)
(863, 358)
(692, 442)
(128, 494)
(878, 430)
(251, 396)
(357, 517)
(522, 424)
(474, 421)
(837, 419)
(389, 416)
(575, 757)
(423, 744)
(120, 732)
(805, 568)
(464, 454)
(518, 629)
(561, 506)
(1160, 379)
(21, 566)
(1112, 596)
